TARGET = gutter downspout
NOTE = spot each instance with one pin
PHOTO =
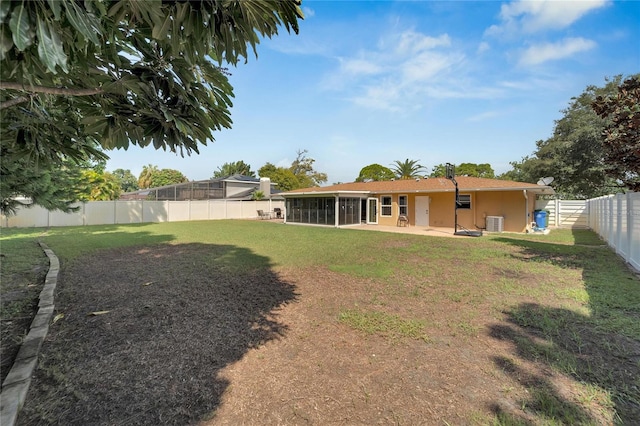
(526, 210)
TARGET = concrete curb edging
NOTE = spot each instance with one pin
(16, 384)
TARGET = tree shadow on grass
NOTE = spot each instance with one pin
(147, 330)
(600, 350)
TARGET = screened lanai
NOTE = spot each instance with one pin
(332, 211)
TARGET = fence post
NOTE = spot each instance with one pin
(634, 256)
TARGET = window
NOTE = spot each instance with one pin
(385, 205)
(403, 205)
(464, 201)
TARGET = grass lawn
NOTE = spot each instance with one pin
(328, 325)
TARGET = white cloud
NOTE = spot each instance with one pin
(534, 16)
(427, 66)
(399, 71)
(358, 66)
(540, 53)
(483, 47)
(308, 12)
(487, 115)
(411, 42)
(384, 96)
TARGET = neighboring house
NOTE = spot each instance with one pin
(236, 187)
(424, 202)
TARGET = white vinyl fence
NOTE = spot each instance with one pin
(616, 218)
(138, 211)
(565, 213)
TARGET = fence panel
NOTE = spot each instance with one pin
(178, 211)
(633, 228)
(616, 218)
(35, 216)
(565, 213)
(199, 210)
(572, 214)
(99, 213)
(155, 211)
(218, 209)
(58, 218)
(128, 211)
(139, 211)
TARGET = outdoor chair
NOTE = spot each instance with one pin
(403, 220)
(263, 215)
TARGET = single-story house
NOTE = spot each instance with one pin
(492, 204)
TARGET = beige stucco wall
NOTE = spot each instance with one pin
(509, 204)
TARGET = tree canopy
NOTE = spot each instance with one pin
(302, 169)
(622, 131)
(483, 170)
(127, 181)
(53, 189)
(375, 172)
(574, 155)
(153, 177)
(300, 174)
(79, 77)
(97, 185)
(235, 168)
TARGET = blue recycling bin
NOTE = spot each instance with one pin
(540, 217)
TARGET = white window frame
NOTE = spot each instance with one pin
(406, 206)
(384, 206)
(464, 205)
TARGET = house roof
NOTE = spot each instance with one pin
(428, 185)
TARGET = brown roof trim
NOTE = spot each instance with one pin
(430, 185)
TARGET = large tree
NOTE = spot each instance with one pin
(235, 168)
(483, 170)
(574, 155)
(302, 168)
(153, 177)
(622, 132)
(408, 169)
(300, 174)
(375, 172)
(23, 185)
(127, 180)
(283, 177)
(79, 75)
(97, 185)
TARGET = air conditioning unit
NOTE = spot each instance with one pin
(495, 223)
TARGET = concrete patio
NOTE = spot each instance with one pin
(416, 230)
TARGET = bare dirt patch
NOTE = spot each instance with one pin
(178, 334)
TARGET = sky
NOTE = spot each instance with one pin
(369, 82)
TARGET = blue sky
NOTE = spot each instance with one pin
(377, 81)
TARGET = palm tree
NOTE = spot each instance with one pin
(408, 169)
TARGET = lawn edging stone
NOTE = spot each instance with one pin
(16, 384)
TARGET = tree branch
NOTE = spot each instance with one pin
(13, 102)
(49, 90)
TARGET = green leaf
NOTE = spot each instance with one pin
(55, 7)
(5, 6)
(5, 43)
(50, 48)
(21, 30)
(82, 22)
(160, 30)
